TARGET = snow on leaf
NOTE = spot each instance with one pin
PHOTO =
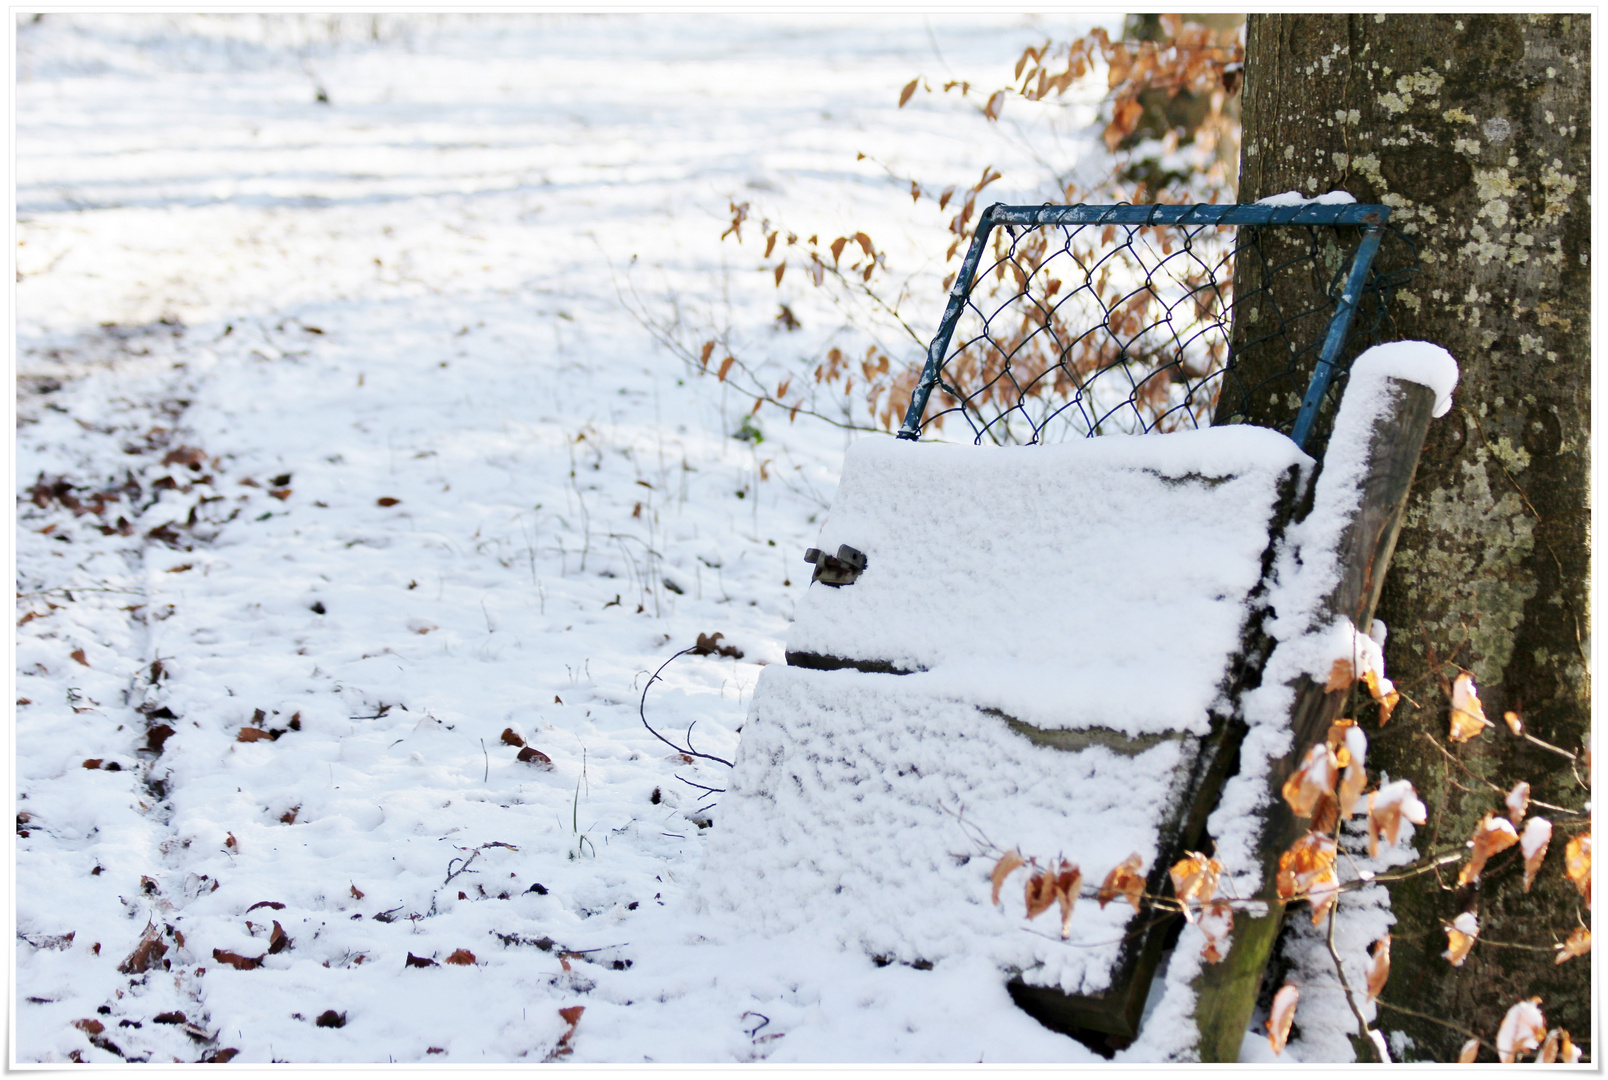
(1577, 863)
(1460, 935)
(1579, 944)
(1067, 880)
(1308, 867)
(1002, 870)
(1378, 967)
(1468, 716)
(1281, 1016)
(1522, 1030)
(1534, 843)
(1469, 1052)
(1194, 877)
(1518, 801)
(1125, 881)
(1388, 808)
(1216, 921)
(1383, 691)
(1568, 1052)
(1492, 835)
(1315, 777)
(1514, 721)
(1039, 894)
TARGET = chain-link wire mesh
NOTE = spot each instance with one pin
(1076, 321)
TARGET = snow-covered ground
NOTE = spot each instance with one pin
(341, 461)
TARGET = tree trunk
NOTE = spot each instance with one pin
(1476, 130)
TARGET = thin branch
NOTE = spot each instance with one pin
(642, 712)
(1339, 970)
(1459, 1028)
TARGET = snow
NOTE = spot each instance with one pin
(413, 292)
(1295, 198)
(1120, 533)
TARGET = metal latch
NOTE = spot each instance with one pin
(838, 570)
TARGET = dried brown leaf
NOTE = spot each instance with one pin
(1002, 869)
(1492, 835)
(1039, 894)
(235, 960)
(1469, 1052)
(1514, 721)
(1281, 1016)
(908, 91)
(1579, 944)
(1307, 870)
(1195, 877)
(146, 954)
(511, 738)
(419, 961)
(1125, 881)
(1314, 778)
(1460, 935)
(251, 734)
(1068, 879)
(1518, 801)
(1577, 863)
(1388, 807)
(1468, 716)
(278, 940)
(1341, 676)
(1378, 967)
(1534, 843)
(1522, 1030)
(461, 956)
(1216, 922)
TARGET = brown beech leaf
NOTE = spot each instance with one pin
(251, 734)
(1281, 1016)
(92, 763)
(78, 654)
(1315, 777)
(1125, 881)
(1522, 1030)
(1460, 935)
(531, 756)
(1307, 870)
(511, 738)
(1548, 1054)
(1518, 801)
(419, 961)
(1568, 1052)
(278, 941)
(386, 500)
(1469, 1052)
(1579, 944)
(1468, 717)
(461, 956)
(1388, 807)
(1577, 863)
(1492, 835)
(1039, 894)
(1194, 877)
(146, 954)
(157, 737)
(1325, 815)
(357, 894)
(1383, 691)
(1002, 869)
(1341, 676)
(572, 1017)
(1514, 721)
(908, 91)
(273, 905)
(1533, 843)
(1378, 967)
(1068, 879)
(1216, 921)
(89, 1027)
(236, 961)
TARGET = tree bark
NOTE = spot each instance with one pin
(1476, 130)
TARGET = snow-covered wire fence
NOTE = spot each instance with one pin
(1073, 321)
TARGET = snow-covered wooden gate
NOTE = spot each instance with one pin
(1102, 657)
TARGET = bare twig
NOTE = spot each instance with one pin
(1351, 1001)
(642, 712)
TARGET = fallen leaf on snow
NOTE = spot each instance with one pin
(329, 1018)
(461, 956)
(235, 960)
(278, 941)
(273, 904)
(419, 961)
(386, 500)
(511, 738)
(532, 756)
(78, 654)
(251, 734)
(145, 955)
(357, 894)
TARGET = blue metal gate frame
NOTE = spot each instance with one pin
(1371, 218)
